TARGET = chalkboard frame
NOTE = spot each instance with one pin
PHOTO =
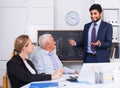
(56, 33)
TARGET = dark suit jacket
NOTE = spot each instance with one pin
(104, 35)
(19, 75)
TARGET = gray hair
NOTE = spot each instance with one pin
(43, 39)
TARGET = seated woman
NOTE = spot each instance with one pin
(21, 70)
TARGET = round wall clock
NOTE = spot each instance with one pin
(72, 18)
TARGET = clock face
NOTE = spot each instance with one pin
(72, 18)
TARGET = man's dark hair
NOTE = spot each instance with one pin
(96, 7)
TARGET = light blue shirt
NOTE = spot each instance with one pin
(89, 35)
(43, 63)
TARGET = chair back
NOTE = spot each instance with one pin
(6, 82)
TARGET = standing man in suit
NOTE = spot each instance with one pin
(97, 37)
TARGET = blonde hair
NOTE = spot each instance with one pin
(20, 42)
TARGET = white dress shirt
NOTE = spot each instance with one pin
(43, 63)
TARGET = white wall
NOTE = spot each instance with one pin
(62, 7)
(40, 16)
(12, 24)
(108, 4)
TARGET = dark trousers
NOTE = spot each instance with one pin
(90, 58)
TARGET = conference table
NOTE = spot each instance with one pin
(86, 77)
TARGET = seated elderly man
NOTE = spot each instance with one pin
(44, 60)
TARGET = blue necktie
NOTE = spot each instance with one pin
(53, 59)
(93, 37)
